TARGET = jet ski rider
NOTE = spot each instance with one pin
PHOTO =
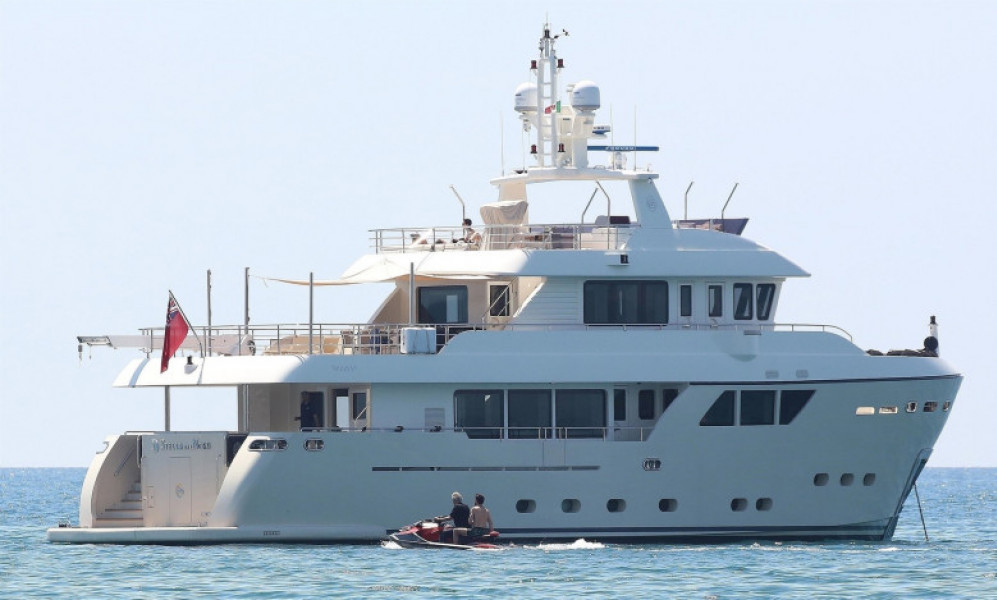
(460, 515)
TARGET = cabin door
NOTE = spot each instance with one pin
(359, 409)
(181, 492)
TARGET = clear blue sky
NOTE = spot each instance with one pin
(142, 143)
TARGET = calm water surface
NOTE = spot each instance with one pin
(959, 561)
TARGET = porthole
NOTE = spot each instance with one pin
(930, 406)
(314, 445)
(739, 504)
(946, 406)
(869, 479)
(526, 506)
(865, 410)
(821, 479)
(888, 410)
(268, 445)
(668, 505)
(763, 504)
(570, 505)
(912, 407)
(616, 505)
(652, 464)
(847, 479)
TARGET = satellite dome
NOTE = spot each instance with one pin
(585, 96)
(526, 97)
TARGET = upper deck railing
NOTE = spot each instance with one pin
(386, 338)
(563, 236)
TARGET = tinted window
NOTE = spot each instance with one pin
(742, 301)
(581, 413)
(722, 411)
(791, 402)
(611, 302)
(619, 405)
(479, 413)
(685, 300)
(667, 397)
(529, 414)
(645, 405)
(444, 304)
(766, 294)
(715, 300)
(498, 300)
(758, 407)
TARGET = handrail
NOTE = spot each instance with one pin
(558, 236)
(543, 432)
(124, 461)
(386, 338)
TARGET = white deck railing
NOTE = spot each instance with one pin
(386, 338)
(566, 236)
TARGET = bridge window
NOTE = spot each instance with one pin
(626, 302)
(766, 295)
(685, 300)
(715, 300)
(743, 309)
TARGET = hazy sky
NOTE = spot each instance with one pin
(142, 143)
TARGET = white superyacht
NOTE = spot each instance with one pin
(621, 378)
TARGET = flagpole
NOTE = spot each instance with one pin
(192, 329)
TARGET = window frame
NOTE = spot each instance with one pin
(610, 297)
(424, 316)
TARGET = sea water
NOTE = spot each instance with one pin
(958, 560)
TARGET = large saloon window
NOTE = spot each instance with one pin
(758, 407)
(766, 294)
(626, 302)
(580, 413)
(791, 402)
(721, 414)
(529, 414)
(479, 413)
(742, 301)
(443, 304)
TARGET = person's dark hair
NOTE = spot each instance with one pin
(467, 222)
(479, 499)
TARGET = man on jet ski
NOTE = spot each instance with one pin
(459, 514)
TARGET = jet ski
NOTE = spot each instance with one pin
(435, 533)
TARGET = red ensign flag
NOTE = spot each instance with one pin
(176, 332)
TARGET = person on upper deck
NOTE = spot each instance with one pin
(470, 235)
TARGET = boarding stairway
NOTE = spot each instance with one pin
(125, 513)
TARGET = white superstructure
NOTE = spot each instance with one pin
(622, 377)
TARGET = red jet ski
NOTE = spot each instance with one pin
(432, 533)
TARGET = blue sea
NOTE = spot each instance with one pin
(959, 559)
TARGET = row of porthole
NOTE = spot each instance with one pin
(741, 504)
(846, 479)
(911, 407)
(614, 505)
